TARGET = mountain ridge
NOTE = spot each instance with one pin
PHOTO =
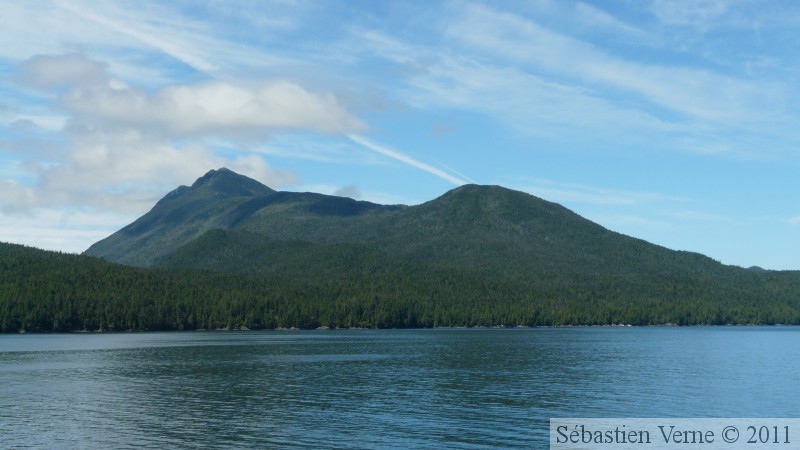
(228, 252)
(209, 203)
(471, 224)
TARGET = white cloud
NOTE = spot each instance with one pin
(257, 168)
(124, 147)
(701, 14)
(15, 196)
(523, 99)
(213, 45)
(698, 94)
(56, 71)
(589, 16)
(148, 35)
(97, 101)
(58, 229)
(795, 220)
(128, 173)
(212, 108)
(141, 41)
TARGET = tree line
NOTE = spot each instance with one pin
(44, 291)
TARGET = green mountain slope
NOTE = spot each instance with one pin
(490, 230)
(219, 199)
(230, 252)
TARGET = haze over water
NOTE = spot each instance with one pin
(390, 388)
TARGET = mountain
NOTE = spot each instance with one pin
(489, 229)
(216, 200)
(228, 252)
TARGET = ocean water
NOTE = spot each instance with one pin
(453, 388)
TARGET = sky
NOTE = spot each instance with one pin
(676, 122)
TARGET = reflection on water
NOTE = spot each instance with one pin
(404, 388)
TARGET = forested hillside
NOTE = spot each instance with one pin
(228, 252)
(45, 291)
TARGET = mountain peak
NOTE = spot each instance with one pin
(492, 199)
(218, 199)
(210, 175)
(226, 181)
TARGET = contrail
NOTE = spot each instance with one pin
(469, 180)
(405, 158)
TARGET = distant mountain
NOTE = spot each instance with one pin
(490, 229)
(219, 199)
(229, 252)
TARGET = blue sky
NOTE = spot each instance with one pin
(671, 121)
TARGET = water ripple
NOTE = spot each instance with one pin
(379, 389)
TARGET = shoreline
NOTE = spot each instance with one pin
(325, 328)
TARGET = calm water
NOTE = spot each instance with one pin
(420, 388)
